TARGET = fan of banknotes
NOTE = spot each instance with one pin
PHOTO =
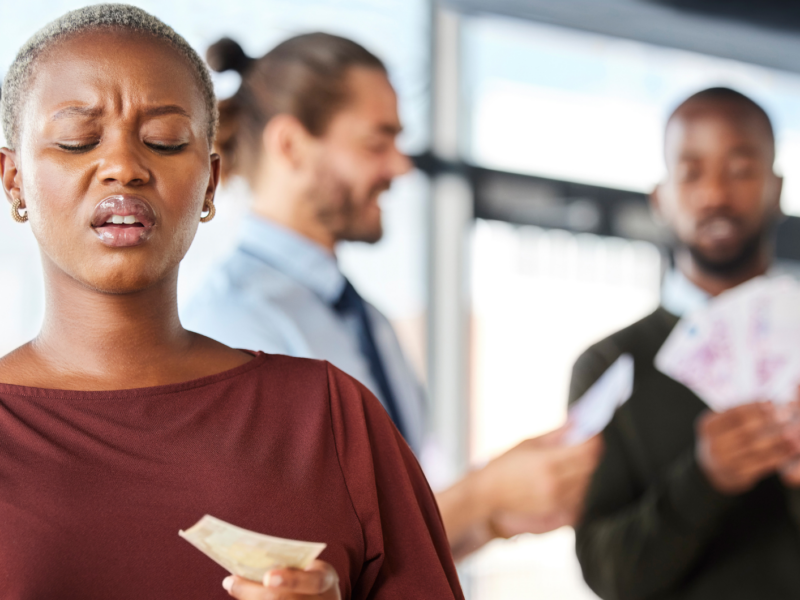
(247, 553)
(742, 347)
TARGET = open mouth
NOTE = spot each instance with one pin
(123, 220)
(720, 228)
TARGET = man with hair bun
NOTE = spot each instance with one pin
(688, 504)
(312, 130)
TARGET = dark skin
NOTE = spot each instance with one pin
(100, 121)
(720, 191)
(720, 195)
(109, 308)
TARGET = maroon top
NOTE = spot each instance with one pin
(94, 486)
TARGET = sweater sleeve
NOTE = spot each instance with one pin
(793, 501)
(406, 550)
(636, 543)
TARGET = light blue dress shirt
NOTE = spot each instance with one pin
(681, 297)
(276, 293)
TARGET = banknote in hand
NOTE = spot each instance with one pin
(247, 553)
(742, 347)
(590, 414)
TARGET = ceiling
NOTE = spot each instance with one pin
(776, 14)
(766, 32)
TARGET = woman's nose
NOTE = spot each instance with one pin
(122, 162)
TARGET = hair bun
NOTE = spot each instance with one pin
(227, 55)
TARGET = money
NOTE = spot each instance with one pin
(590, 414)
(247, 553)
(740, 348)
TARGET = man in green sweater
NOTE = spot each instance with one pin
(689, 504)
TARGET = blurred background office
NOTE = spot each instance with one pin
(524, 235)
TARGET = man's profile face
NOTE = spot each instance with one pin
(357, 159)
(721, 195)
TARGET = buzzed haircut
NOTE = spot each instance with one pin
(89, 18)
(728, 95)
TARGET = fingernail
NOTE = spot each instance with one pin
(227, 583)
(328, 580)
(275, 580)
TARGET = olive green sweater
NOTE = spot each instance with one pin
(654, 528)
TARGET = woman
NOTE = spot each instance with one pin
(117, 426)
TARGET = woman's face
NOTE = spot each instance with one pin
(113, 161)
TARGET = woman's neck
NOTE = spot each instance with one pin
(112, 341)
(92, 340)
(109, 336)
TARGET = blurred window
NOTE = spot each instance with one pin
(584, 107)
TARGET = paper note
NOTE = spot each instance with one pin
(743, 347)
(247, 553)
(590, 414)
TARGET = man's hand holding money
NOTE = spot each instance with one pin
(738, 447)
(319, 581)
(541, 483)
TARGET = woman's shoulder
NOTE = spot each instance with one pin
(316, 384)
(304, 373)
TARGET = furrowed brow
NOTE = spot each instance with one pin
(77, 111)
(167, 109)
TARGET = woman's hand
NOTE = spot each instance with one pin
(318, 581)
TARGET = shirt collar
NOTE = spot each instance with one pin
(679, 295)
(294, 255)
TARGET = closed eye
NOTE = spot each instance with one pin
(162, 148)
(167, 148)
(77, 148)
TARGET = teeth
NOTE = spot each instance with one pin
(721, 228)
(120, 220)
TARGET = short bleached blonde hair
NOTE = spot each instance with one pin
(99, 16)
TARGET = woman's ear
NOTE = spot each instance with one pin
(10, 175)
(213, 177)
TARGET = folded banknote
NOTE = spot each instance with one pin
(247, 553)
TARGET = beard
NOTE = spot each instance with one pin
(745, 256)
(747, 253)
(349, 217)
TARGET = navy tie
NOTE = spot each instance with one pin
(350, 303)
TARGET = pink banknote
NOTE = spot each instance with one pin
(744, 346)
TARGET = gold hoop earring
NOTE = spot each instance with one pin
(212, 210)
(18, 216)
